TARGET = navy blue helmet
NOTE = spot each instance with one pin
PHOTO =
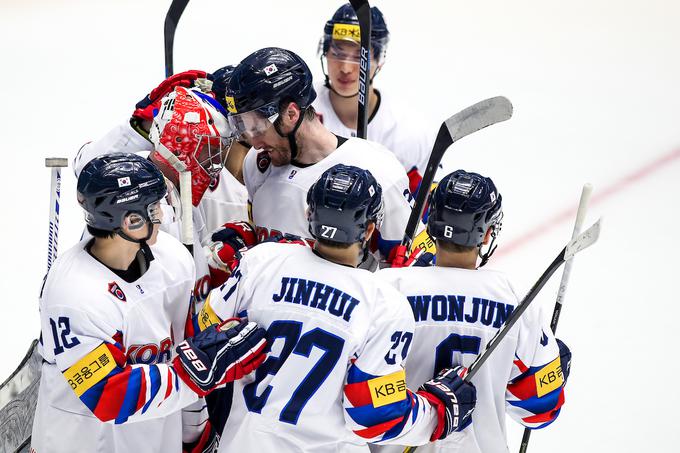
(113, 186)
(265, 78)
(342, 202)
(220, 80)
(336, 28)
(463, 207)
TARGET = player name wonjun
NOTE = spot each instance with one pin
(440, 307)
(316, 295)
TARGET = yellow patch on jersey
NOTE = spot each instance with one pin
(388, 389)
(207, 317)
(425, 242)
(347, 32)
(90, 369)
(549, 378)
(231, 105)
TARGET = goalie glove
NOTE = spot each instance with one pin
(219, 355)
(453, 398)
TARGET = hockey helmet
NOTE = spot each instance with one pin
(220, 80)
(341, 204)
(344, 26)
(191, 127)
(115, 186)
(463, 207)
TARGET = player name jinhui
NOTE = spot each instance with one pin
(316, 295)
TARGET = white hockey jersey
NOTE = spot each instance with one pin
(106, 384)
(457, 312)
(124, 139)
(406, 138)
(333, 379)
(226, 200)
(278, 195)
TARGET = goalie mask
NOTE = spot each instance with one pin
(190, 132)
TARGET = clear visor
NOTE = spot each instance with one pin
(349, 50)
(251, 125)
(136, 221)
(211, 152)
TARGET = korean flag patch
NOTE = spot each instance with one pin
(124, 182)
(271, 69)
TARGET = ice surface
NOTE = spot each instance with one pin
(595, 89)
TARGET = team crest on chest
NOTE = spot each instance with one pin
(118, 293)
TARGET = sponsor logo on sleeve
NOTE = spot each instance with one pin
(207, 317)
(90, 369)
(388, 389)
(549, 378)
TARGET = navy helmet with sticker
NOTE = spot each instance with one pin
(114, 186)
(344, 25)
(265, 78)
(220, 80)
(342, 202)
(462, 209)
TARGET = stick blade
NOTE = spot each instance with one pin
(583, 241)
(478, 116)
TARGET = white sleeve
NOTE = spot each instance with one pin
(378, 406)
(121, 139)
(397, 209)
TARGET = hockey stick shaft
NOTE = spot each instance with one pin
(171, 20)
(55, 164)
(581, 242)
(363, 11)
(578, 224)
(467, 121)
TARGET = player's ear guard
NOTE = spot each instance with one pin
(220, 354)
(453, 398)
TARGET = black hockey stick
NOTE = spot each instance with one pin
(582, 242)
(462, 124)
(363, 10)
(580, 216)
(171, 20)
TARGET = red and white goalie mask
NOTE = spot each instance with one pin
(190, 131)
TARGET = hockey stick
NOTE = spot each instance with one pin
(55, 164)
(580, 216)
(187, 232)
(171, 20)
(363, 10)
(462, 124)
(581, 242)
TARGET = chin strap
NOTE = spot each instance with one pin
(485, 256)
(291, 135)
(144, 255)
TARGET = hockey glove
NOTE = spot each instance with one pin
(399, 256)
(147, 108)
(214, 356)
(228, 242)
(565, 359)
(453, 398)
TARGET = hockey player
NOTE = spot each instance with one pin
(182, 117)
(112, 310)
(269, 99)
(459, 307)
(336, 103)
(338, 336)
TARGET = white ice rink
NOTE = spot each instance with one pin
(595, 85)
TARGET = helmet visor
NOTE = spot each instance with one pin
(154, 214)
(251, 125)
